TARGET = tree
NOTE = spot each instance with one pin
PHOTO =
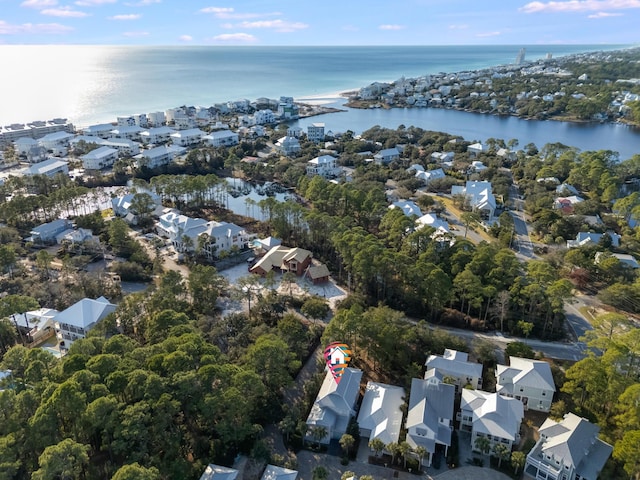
(376, 445)
(205, 285)
(469, 219)
(347, 442)
(248, 286)
(420, 451)
(320, 473)
(519, 349)
(518, 459)
(405, 450)
(315, 308)
(394, 449)
(134, 471)
(271, 358)
(317, 433)
(7, 336)
(525, 327)
(43, 260)
(348, 475)
(502, 452)
(66, 460)
(627, 451)
(482, 444)
(142, 204)
(8, 259)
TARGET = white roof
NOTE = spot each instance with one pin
(336, 399)
(432, 220)
(100, 152)
(526, 373)
(429, 401)
(56, 137)
(455, 364)
(216, 472)
(322, 160)
(493, 414)
(221, 134)
(86, 312)
(192, 132)
(279, 473)
(41, 168)
(381, 411)
(408, 207)
(158, 131)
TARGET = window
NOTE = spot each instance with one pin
(544, 394)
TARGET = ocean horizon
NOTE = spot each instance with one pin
(94, 84)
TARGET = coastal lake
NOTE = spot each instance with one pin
(477, 126)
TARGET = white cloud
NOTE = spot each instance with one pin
(458, 27)
(185, 38)
(579, 6)
(126, 17)
(135, 34)
(66, 12)
(216, 10)
(604, 15)
(229, 13)
(488, 34)
(143, 3)
(278, 25)
(234, 37)
(391, 27)
(39, 3)
(33, 28)
(93, 3)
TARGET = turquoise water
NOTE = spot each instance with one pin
(91, 84)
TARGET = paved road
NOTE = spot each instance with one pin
(522, 241)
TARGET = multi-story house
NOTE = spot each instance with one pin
(529, 381)
(380, 414)
(324, 165)
(222, 138)
(101, 157)
(315, 132)
(187, 138)
(457, 369)
(386, 156)
(157, 135)
(74, 322)
(567, 450)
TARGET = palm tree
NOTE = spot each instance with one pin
(394, 449)
(421, 452)
(320, 473)
(346, 442)
(405, 450)
(518, 460)
(502, 452)
(482, 444)
(317, 433)
(376, 445)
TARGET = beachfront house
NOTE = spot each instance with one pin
(335, 405)
(187, 138)
(158, 156)
(492, 416)
(456, 367)
(567, 450)
(527, 380)
(324, 165)
(222, 138)
(380, 414)
(429, 421)
(73, 323)
(156, 135)
(101, 157)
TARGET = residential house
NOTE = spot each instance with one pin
(37, 154)
(49, 167)
(566, 189)
(442, 157)
(590, 238)
(295, 132)
(407, 207)
(506, 154)
(626, 260)
(427, 176)
(433, 221)
(527, 380)
(284, 259)
(476, 149)
(222, 138)
(187, 138)
(386, 156)
(429, 421)
(137, 119)
(492, 416)
(46, 233)
(480, 197)
(101, 157)
(122, 206)
(102, 130)
(567, 450)
(74, 322)
(76, 236)
(477, 166)
(315, 132)
(289, 146)
(52, 141)
(216, 472)
(567, 204)
(158, 156)
(317, 273)
(263, 245)
(273, 472)
(324, 165)
(157, 135)
(456, 367)
(126, 148)
(24, 144)
(335, 405)
(380, 414)
(156, 119)
(36, 324)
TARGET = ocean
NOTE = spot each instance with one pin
(94, 84)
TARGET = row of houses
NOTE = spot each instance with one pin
(271, 472)
(569, 447)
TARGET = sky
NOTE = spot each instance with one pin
(327, 22)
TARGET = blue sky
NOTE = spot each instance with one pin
(329, 22)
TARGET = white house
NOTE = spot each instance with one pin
(476, 149)
(157, 135)
(380, 414)
(456, 366)
(315, 132)
(430, 415)
(47, 232)
(492, 416)
(527, 380)
(335, 404)
(433, 221)
(126, 148)
(408, 207)
(567, 450)
(76, 236)
(222, 138)
(36, 323)
(122, 206)
(74, 322)
(128, 132)
(442, 157)
(273, 472)
(625, 259)
(101, 157)
(386, 156)
(51, 141)
(480, 197)
(24, 144)
(324, 165)
(187, 138)
(427, 176)
(156, 119)
(216, 472)
(590, 238)
(102, 130)
(49, 167)
(288, 146)
(158, 156)
(477, 166)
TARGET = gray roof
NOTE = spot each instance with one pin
(575, 441)
(525, 372)
(429, 401)
(216, 472)
(273, 472)
(455, 364)
(493, 414)
(381, 411)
